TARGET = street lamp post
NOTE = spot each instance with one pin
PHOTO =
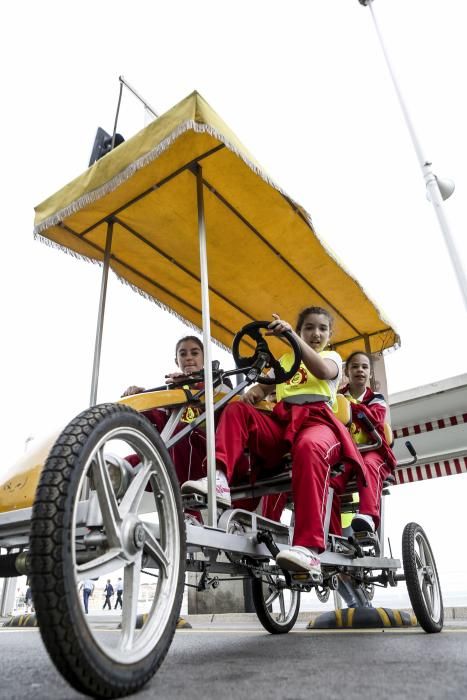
(437, 190)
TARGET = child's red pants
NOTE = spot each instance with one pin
(315, 449)
(370, 495)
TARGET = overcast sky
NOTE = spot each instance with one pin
(304, 86)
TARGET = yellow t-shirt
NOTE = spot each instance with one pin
(304, 387)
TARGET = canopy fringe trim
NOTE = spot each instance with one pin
(133, 287)
(149, 157)
(64, 249)
(164, 307)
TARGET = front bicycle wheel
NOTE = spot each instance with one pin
(95, 516)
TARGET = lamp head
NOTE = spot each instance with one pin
(446, 188)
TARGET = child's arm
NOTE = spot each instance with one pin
(257, 393)
(320, 367)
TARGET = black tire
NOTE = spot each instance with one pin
(56, 551)
(422, 579)
(264, 592)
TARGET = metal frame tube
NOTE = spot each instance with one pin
(100, 316)
(136, 94)
(209, 395)
(431, 182)
(114, 132)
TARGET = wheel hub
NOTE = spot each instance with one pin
(429, 577)
(138, 536)
(133, 535)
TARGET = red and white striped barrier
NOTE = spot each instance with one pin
(437, 424)
(448, 467)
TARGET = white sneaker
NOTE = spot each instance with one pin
(363, 523)
(299, 560)
(201, 486)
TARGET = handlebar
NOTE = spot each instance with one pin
(413, 458)
(371, 430)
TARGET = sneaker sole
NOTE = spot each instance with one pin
(190, 490)
(296, 568)
(358, 525)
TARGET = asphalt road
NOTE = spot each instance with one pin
(245, 662)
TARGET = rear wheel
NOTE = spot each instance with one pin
(421, 577)
(276, 605)
(96, 517)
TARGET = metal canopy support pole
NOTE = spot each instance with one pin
(431, 181)
(7, 600)
(100, 316)
(209, 395)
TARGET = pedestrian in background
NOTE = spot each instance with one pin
(119, 589)
(109, 591)
(87, 587)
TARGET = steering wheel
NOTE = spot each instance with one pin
(252, 330)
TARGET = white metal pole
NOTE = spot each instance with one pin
(8, 597)
(100, 316)
(434, 194)
(209, 392)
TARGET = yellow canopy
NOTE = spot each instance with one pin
(263, 253)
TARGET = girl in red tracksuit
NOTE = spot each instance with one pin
(302, 422)
(379, 463)
(189, 454)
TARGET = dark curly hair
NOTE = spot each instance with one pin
(312, 310)
(359, 352)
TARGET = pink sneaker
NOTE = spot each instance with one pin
(201, 486)
(299, 560)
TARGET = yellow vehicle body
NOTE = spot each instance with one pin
(18, 489)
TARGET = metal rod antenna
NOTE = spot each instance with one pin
(116, 116)
(100, 316)
(431, 182)
(209, 400)
(136, 94)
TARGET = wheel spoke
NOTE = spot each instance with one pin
(418, 561)
(131, 578)
(282, 605)
(135, 491)
(422, 552)
(153, 547)
(428, 595)
(273, 596)
(107, 501)
(105, 564)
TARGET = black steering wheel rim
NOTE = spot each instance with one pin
(252, 330)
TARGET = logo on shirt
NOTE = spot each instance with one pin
(300, 377)
(189, 415)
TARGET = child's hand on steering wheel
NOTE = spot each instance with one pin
(175, 378)
(278, 326)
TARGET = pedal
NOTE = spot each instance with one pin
(306, 577)
(194, 501)
(365, 538)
